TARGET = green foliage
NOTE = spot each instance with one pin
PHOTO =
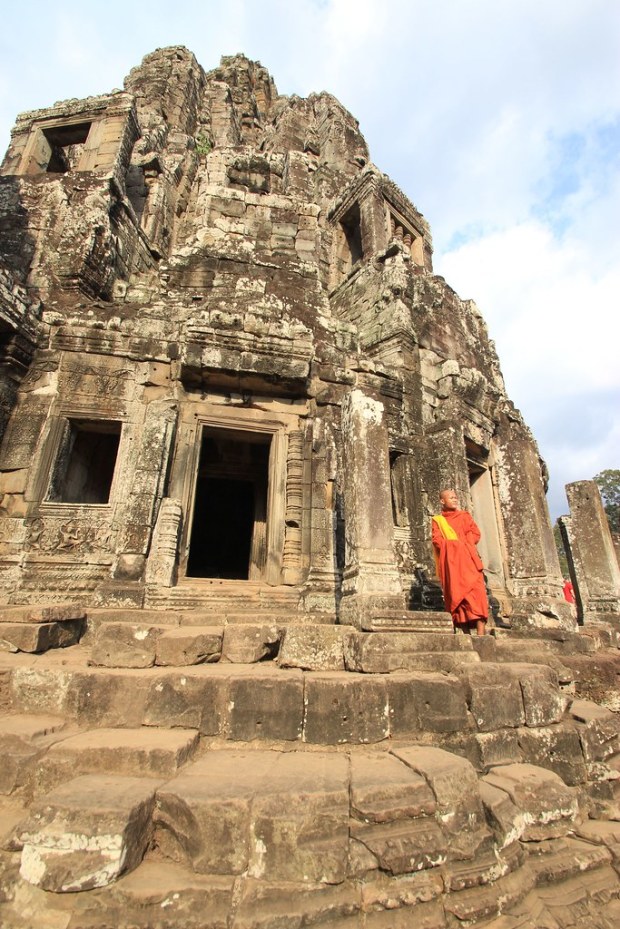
(559, 544)
(203, 144)
(609, 485)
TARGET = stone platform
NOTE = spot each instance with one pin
(253, 775)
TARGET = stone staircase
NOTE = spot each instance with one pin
(171, 771)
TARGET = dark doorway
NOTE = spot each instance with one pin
(228, 534)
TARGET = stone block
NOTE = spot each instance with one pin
(145, 752)
(265, 705)
(125, 645)
(426, 702)
(246, 644)
(543, 701)
(87, 832)
(384, 789)
(501, 747)
(343, 707)
(23, 739)
(160, 895)
(454, 783)
(393, 814)
(537, 804)
(306, 837)
(495, 696)
(184, 646)
(57, 612)
(313, 647)
(186, 700)
(39, 637)
(271, 815)
(381, 652)
(98, 697)
(557, 748)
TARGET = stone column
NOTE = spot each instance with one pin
(533, 564)
(592, 558)
(371, 580)
(323, 582)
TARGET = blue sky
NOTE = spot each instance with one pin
(500, 120)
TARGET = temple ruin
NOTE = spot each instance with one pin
(231, 389)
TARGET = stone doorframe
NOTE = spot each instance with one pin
(185, 468)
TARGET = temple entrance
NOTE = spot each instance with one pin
(485, 514)
(228, 535)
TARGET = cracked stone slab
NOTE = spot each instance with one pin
(85, 833)
(274, 815)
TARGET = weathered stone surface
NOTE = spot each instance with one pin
(23, 739)
(557, 748)
(534, 803)
(145, 752)
(125, 645)
(180, 647)
(59, 612)
(206, 810)
(426, 702)
(393, 810)
(314, 647)
(38, 638)
(380, 652)
(343, 708)
(186, 701)
(495, 696)
(250, 643)
(159, 895)
(261, 706)
(87, 832)
(454, 783)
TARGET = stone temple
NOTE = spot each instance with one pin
(231, 389)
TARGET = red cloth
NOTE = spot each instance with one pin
(569, 593)
(460, 568)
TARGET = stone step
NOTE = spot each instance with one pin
(143, 752)
(24, 739)
(425, 621)
(84, 833)
(559, 859)
(35, 629)
(252, 839)
(265, 702)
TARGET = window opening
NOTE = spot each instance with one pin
(85, 463)
(66, 144)
(352, 229)
(228, 537)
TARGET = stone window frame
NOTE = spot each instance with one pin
(191, 435)
(395, 221)
(487, 511)
(35, 158)
(44, 467)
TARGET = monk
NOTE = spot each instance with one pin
(455, 535)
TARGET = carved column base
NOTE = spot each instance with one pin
(321, 592)
(374, 585)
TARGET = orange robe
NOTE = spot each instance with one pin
(460, 568)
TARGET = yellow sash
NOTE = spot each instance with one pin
(446, 529)
(447, 532)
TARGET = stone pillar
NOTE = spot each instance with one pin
(533, 565)
(592, 558)
(162, 561)
(371, 580)
(320, 590)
